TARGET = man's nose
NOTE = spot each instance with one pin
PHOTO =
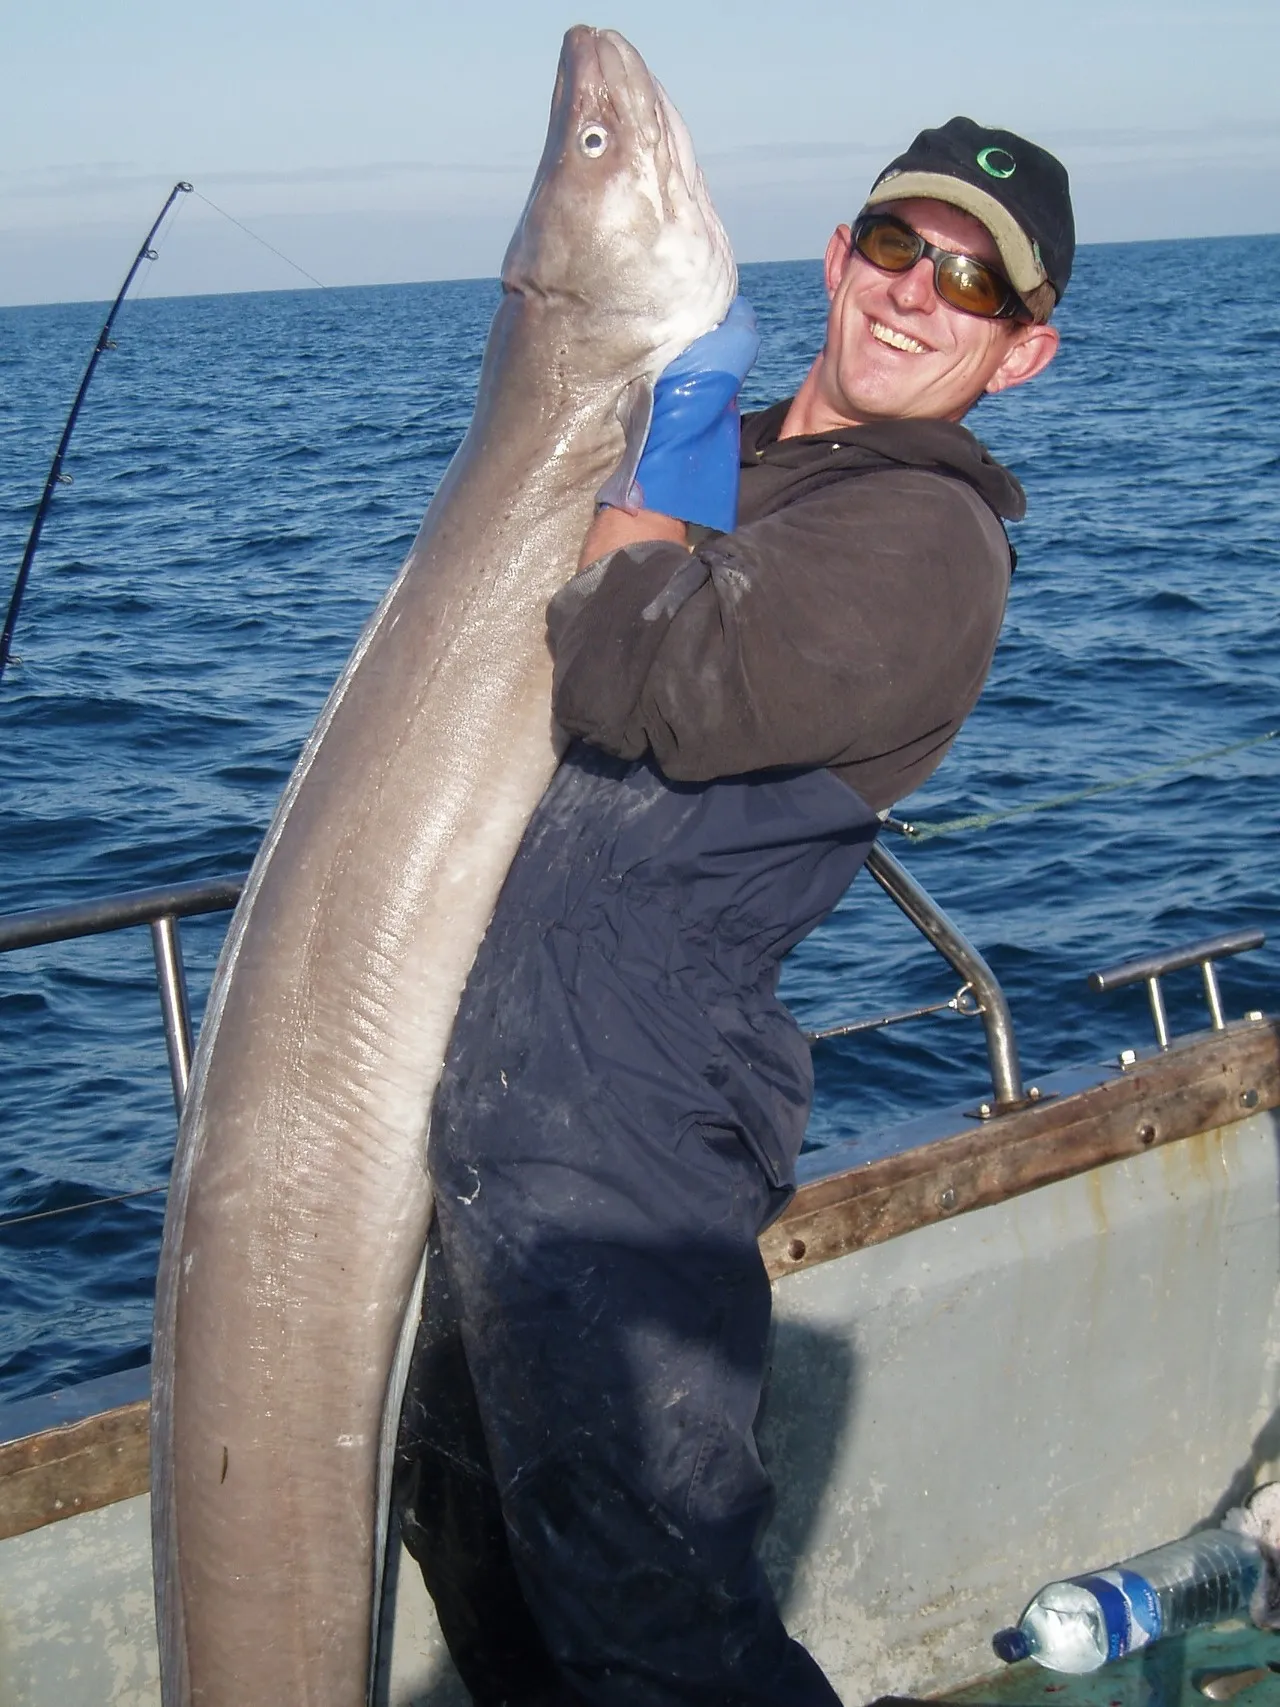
(914, 288)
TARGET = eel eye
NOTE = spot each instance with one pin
(593, 139)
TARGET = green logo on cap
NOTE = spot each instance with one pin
(997, 162)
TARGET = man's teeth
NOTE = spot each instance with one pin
(897, 340)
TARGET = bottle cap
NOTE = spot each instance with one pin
(1011, 1645)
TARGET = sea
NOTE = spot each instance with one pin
(247, 475)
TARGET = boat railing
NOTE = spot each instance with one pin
(979, 996)
(1153, 967)
(986, 998)
(161, 909)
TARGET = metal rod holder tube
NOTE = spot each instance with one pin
(1156, 965)
(1213, 995)
(1159, 1018)
(960, 954)
(171, 979)
(1152, 967)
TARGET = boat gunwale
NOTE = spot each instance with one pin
(1200, 1084)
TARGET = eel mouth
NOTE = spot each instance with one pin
(599, 68)
(619, 222)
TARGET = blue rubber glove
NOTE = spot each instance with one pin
(689, 465)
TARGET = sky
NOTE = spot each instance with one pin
(394, 140)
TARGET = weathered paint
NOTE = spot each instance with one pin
(955, 1417)
(976, 1407)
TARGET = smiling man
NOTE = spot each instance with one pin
(624, 1097)
(897, 347)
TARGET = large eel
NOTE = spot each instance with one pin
(299, 1202)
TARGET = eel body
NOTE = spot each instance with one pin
(300, 1199)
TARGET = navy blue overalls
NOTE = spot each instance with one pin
(619, 1117)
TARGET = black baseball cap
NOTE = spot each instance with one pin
(1019, 191)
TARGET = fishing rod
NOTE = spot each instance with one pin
(146, 253)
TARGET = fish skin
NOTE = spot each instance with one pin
(299, 1200)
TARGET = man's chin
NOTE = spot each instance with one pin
(882, 403)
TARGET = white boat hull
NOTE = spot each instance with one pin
(956, 1415)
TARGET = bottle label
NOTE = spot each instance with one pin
(1130, 1609)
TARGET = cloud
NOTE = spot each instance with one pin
(396, 220)
(77, 180)
(767, 153)
(57, 182)
(123, 195)
(1237, 133)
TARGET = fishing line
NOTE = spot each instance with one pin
(297, 269)
(139, 294)
(984, 820)
(56, 477)
(75, 1208)
(914, 832)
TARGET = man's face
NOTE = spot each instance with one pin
(895, 350)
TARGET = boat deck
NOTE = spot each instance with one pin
(1167, 1674)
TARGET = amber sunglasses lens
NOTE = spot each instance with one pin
(888, 245)
(967, 284)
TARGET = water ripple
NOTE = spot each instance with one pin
(249, 473)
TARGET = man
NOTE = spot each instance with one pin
(624, 1098)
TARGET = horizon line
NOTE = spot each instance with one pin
(495, 278)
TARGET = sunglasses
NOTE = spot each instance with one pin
(971, 286)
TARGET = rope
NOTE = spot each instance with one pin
(984, 820)
(75, 1208)
(288, 263)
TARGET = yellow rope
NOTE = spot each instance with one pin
(984, 820)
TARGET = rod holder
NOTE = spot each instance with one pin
(1153, 967)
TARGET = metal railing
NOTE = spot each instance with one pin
(1152, 967)
(960, 954)
(979, 996)
(161, 909)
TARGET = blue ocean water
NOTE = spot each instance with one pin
(248, 474)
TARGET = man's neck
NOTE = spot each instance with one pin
(809, 411)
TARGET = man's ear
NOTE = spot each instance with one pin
(837, 258)
(1030, 352)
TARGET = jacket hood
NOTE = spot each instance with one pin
(944, 446)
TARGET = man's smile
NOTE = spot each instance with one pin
(897, 340)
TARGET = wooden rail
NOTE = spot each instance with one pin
(1209, 1081)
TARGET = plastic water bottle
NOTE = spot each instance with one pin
(1081, 1623)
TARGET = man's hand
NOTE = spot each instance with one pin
(689, 466)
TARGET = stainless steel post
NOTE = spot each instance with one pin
(171, 979)
(1213, 995)
(959, 953)
(1159, 1017)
